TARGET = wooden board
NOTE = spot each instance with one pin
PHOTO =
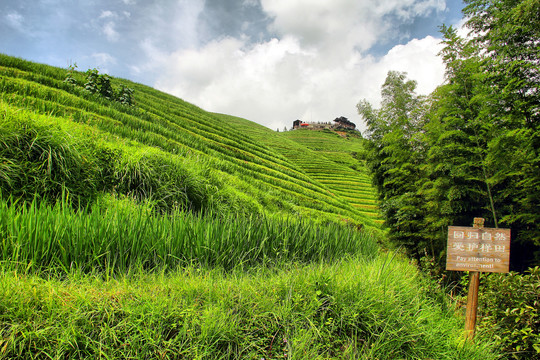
(478, 249)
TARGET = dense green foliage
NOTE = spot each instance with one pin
(394, 156)
(509, 306)
(510, 33)
(471, 148)
(352, 309)
(117, 236)
(100, 84)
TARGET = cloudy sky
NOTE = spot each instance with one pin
(270, 61)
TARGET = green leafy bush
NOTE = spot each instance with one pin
(125, 95)
(509, 307)
(92, 81)
(70, 78)
(105, 87)
(97, 83)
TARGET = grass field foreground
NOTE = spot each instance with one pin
(350, 309)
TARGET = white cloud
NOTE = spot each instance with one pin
(107, 14)
(107, 21)
(425, 7)
(250, 2)
(343, 23)
(109, 29)
(276, 82)
(419, 59)
(318, 22)
(316, 69)
(167, 30)
(15, 20)
(102, 60)
(461, 29)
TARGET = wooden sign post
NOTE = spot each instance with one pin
(476, 249)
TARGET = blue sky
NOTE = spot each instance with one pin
(271, 61)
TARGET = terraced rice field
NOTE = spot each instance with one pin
(337, 168)
(269, 173)
(327, 157)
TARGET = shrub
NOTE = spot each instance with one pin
(105, 87)
(92, 81)
(509, 306)
(97, 83)
(125, 95)
(70, 79)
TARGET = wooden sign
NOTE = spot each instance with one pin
(478, 249)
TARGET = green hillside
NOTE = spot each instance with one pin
(328, 157)
(338, 166)
(134, 225)
(243, 172)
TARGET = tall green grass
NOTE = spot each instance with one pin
(120, 236)
(39, 155)
(47, 156)
(351, 309)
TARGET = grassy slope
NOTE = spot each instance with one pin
(175, 129)
(175, 155)
(352, 309)
(345, 175)
(328, 157)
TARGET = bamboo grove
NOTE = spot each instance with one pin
(471, 148)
